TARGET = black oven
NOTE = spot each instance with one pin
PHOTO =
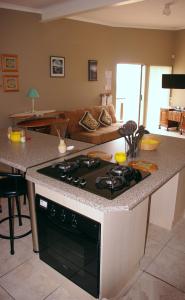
(70, 243)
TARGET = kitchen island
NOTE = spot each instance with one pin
(37, 149)
(124, 220)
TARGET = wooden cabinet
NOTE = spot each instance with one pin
(174, 116)
(182, 123)
(170, 118)
(163, 117)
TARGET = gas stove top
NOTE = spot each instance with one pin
(94, 175)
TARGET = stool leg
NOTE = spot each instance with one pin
(0, 206)
(18, 210)
(24, 199)
(11, 227)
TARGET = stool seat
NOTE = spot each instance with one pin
(12, 186)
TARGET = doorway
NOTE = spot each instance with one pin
(157, 96)
(130, 83)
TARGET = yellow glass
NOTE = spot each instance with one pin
(15, 136)
(120, 157)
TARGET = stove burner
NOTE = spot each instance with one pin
(89, 162)
(119, 170)
(68, 166)
(113, 183)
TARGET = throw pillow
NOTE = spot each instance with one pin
(105, 118)
(89, 122)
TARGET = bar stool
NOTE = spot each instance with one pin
(12, 186)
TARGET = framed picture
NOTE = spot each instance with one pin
(57, 66)
(11, 83)
(92, 70)
(9, 63)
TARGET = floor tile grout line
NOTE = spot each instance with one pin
(178, 250)
(152, 260)
(127, 290)
(52, 292)
(165, 245)
(162, 248)
(165, 282)
(1, 276)
(7, 292)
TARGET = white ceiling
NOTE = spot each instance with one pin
(131, 13)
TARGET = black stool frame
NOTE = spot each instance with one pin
(13, 194)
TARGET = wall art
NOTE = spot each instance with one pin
(92, 70)
(9, 62)
(57, 66)
(11, 83)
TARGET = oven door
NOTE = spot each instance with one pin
(70, 243)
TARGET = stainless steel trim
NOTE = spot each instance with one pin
(31, 199)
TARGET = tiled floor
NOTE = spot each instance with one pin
(170, 132)
(162, 270)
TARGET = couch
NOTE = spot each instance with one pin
(101, 135)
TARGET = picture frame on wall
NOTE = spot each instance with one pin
(57, 66)
(11, 83)
(9, 62)
(92, 70)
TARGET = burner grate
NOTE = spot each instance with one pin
(113, 183)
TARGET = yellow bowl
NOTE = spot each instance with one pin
(149, 144)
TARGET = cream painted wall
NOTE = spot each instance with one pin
(34, 42)
(178, 96)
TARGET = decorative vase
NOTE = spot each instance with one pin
(62, 146)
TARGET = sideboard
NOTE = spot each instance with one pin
(170, 117)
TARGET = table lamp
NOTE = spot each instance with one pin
(33, 93)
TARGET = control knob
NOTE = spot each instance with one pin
(82, 182)
(63, 215)
(69, 178)
(63, 176)
(76, 180)
(52, 211)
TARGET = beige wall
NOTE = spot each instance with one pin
(178, 96)
(34, 42)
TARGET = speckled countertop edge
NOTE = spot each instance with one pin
(170, 158)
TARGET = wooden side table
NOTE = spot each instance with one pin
(45, 125)
(40, 125)
(34, 115)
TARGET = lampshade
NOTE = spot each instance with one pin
(32, 93)
(173, 81)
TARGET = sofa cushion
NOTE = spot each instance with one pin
(76, 115)
(105, 118)
(96, 110)
(102, 135)
(88, 122)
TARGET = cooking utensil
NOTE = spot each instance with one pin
(131, 128)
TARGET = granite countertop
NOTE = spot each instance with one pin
(170, 158)
(38, 149)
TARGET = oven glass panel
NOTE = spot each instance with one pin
(70, 243)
